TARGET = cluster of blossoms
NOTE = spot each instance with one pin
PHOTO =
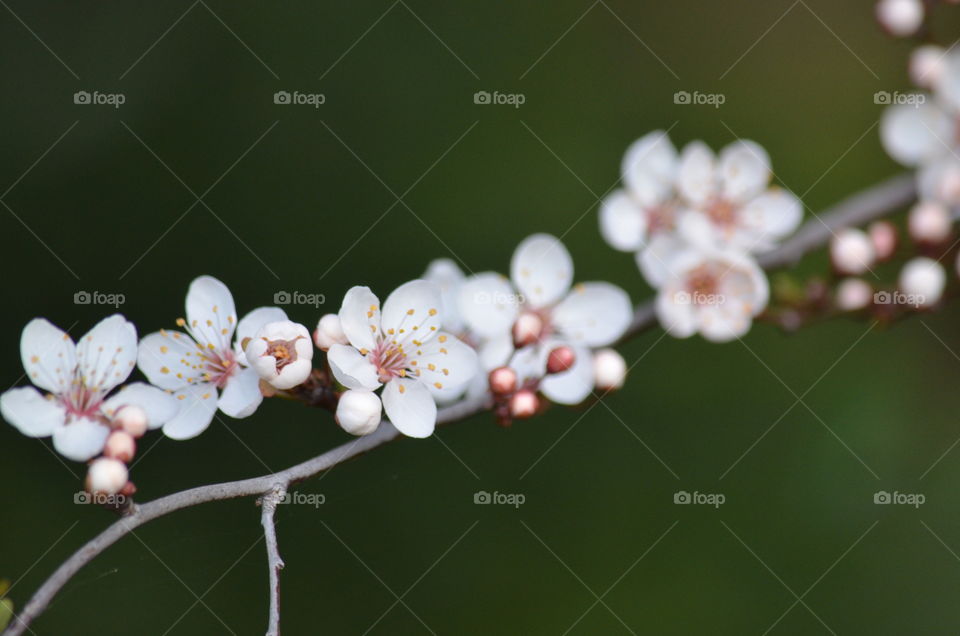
(695, 221)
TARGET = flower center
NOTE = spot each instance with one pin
(703, 282)
(660, 218)
(722, 212)
(218, 366)
(283, 351)
(390, 360)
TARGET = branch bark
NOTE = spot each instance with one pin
(867, 205)
(268, 506)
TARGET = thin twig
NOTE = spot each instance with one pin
(268, 505)
(872, 203)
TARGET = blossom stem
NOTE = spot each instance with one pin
(268, 505)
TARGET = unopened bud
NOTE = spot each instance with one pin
(524, 404)
(851, 251)
(527, 329)
(929, 222)
(132, 419)
(503, 381)
(883, 236)
(900, 18)
(926, 65)
(358, 412)
(853, 294)
(107, 476)
(329, 332)
(120, 445)
(923, 280)
(560, 359)
(609, 370)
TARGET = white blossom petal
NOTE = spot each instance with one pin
(677, 318)
(81, 439)
(49, 356)
(169, 359)
(107, 353)
(31, 413)
(915, 134)
(241, 396)
(648, 167)
(573, 385)
(697, 173)
(542, 270)
(653, 260)
(593, 314)
(412, 312)
(770, 217)
(211, 314)
(198, 404)
(488, 304)
(448, 276)
(351, 368)
(744, 170)
(445, 365)
(360, 317)
(622, 222)
(159, 405)
(410, 407)
(495, 352)
(250, 324)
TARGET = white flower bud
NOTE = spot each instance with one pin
(527, 329)
(132, 419)
(120, 445)
(929, 222)
(281, 353)
(923, 279)
(524, 404)
(926, 65)
(107, 476)
(329, 332)
(851, 251)
(853, 294)
(359, 412)
(900, 17)
(609, 370)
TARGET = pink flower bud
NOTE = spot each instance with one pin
(503, 381)
(853, 294)
(929, 222)
(132, 419)
(560, 359)
(524, 404)
(527, 329)
(883, 235)
(120, 445)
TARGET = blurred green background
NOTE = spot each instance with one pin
(303, 209)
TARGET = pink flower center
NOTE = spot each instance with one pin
(219, 366)
(389, 359)
(722, 213)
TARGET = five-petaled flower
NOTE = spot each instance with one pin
(78, 379)
(200, 367)
(403, 349)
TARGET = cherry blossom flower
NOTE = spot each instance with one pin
(281, 353)
(542, 309)
(641, 217)
(200, 367)
(77, 411)
(403, 349)
(714, 293)
(923, 280)
(729, 202)
(900, 17)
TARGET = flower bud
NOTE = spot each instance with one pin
(329, 332)
(281, 353)
(527, 329)
(926, 65)
(560, 359)
(609, 370)
(107, 476)
(132, 419)
(923, 279)
(929, 222)
(900, 18)
(358, 412)
(851, 251)
(503, 381)
(120, 445)
(883, 236)
(524, 404)
(853, 294)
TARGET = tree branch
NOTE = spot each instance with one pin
(872, 203)
(268, 506)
